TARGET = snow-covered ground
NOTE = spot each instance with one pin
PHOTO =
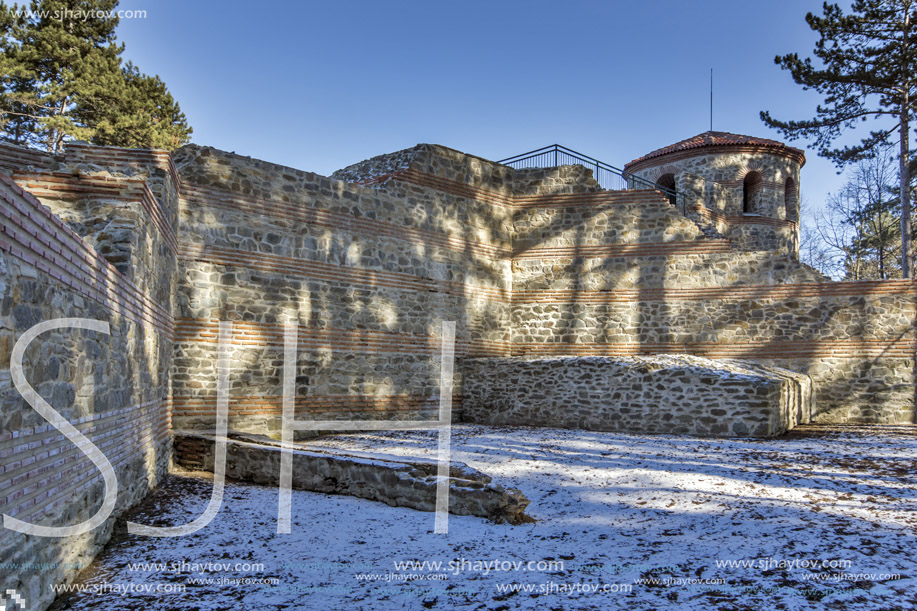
(817, 520)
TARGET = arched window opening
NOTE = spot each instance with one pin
(666, 184)
(751, 188)
(791, 200)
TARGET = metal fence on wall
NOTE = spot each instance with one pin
(608, 176)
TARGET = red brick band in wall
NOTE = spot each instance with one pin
(768, 185)
(793, 349)
(716, 217)
(151, 204)
(639, 249)
(113, 157)
(812, 290)
(14, 157)
(77, 188)
(351, 340)
(345, 405)
(559, 200)
(778, 150)
(55, 469)
(452, 187)
(328, 272)
(592, 200)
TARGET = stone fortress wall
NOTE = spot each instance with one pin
(541, 269)
(367, 272)
(101, 247)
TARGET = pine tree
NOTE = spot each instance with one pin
(62, 78)
(134, 111)
(869, 71)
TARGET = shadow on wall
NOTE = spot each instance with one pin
(369, 273)
(849, 339)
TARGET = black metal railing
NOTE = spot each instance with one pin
(609, 177)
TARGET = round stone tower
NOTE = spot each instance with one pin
(747, 187)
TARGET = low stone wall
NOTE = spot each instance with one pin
(664, 394)
(395, 481)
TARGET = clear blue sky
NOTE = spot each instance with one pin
(320, 85)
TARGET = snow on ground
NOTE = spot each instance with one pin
(822, 519)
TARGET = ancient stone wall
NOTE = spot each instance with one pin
(561, 179)
(543, 224)
(663, 394)
(104, 250)
(706, 203)
(547, 265)
(590, 279)
(856, 340)
(368, 272)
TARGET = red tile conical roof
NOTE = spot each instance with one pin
(706, 139)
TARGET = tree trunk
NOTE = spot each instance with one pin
(906, 255)
(905, 175)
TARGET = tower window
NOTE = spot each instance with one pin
(751, 192)
(791, 200)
